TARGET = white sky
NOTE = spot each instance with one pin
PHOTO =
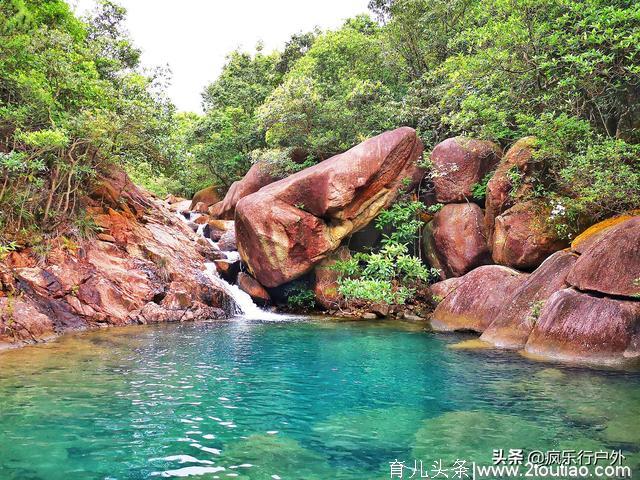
(193, 36)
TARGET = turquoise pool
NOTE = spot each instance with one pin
(291, 400)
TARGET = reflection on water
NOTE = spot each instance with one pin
(291, 400)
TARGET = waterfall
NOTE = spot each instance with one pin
(244, 304)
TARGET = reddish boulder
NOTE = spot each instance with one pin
(578, 327)
(257, 177)
(514, 322)
(474, 303)
(500, 190)
(587, 238)
(454, 241)
(287, 227)
(458, 164)
(326, 279)
(216, 228)
(611, 265)
(440, 290)
(522, 238)
(207, 196)
(257, 292)
(228, 269)
(227, 242)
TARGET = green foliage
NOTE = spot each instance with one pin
(336, 95)
(435, 208)
(403, 220)
(388, 276)
(303, 298)
(479, 190)
(72, 103)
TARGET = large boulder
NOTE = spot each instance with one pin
(473, 304)
(522, 238)
(501, 192)
(587, 238)
(458, 164)
(514, 322)
(326, 279)
(455, 241)
(287, 227)
(611, 265)
(257, 177)
(440, 290)
(579, 327)
(257, 292)
(207, 196)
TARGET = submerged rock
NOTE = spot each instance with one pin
(514, 322)
(611, 263)
(579, 327)
(458, 164)
(455, 241)
(287, 227)
(474, 303)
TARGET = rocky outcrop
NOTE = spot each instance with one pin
(207, 197)
(287, 227)
(514, 321)
(325, 286)
(257, 292)
(455, 241)
(473, 304)
(501, 191)
(258, 176)
(579, 327)
(522, 238)
(147, 267)
(458, 164)
(611, 264)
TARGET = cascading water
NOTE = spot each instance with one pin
(244, 305)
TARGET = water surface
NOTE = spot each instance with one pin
(292, 400)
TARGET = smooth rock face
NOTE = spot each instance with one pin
(514, 322)
(207, 196)
(587, 238)
(499, 188)
(611, 265)
(287, 227)
(458, 164)
(455, 241)
(578, 327)
(522, 238)
(441, 289)
(256, 291)
(475, 302)
(326, 279)
(257, 177)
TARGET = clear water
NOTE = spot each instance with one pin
(293, 400)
